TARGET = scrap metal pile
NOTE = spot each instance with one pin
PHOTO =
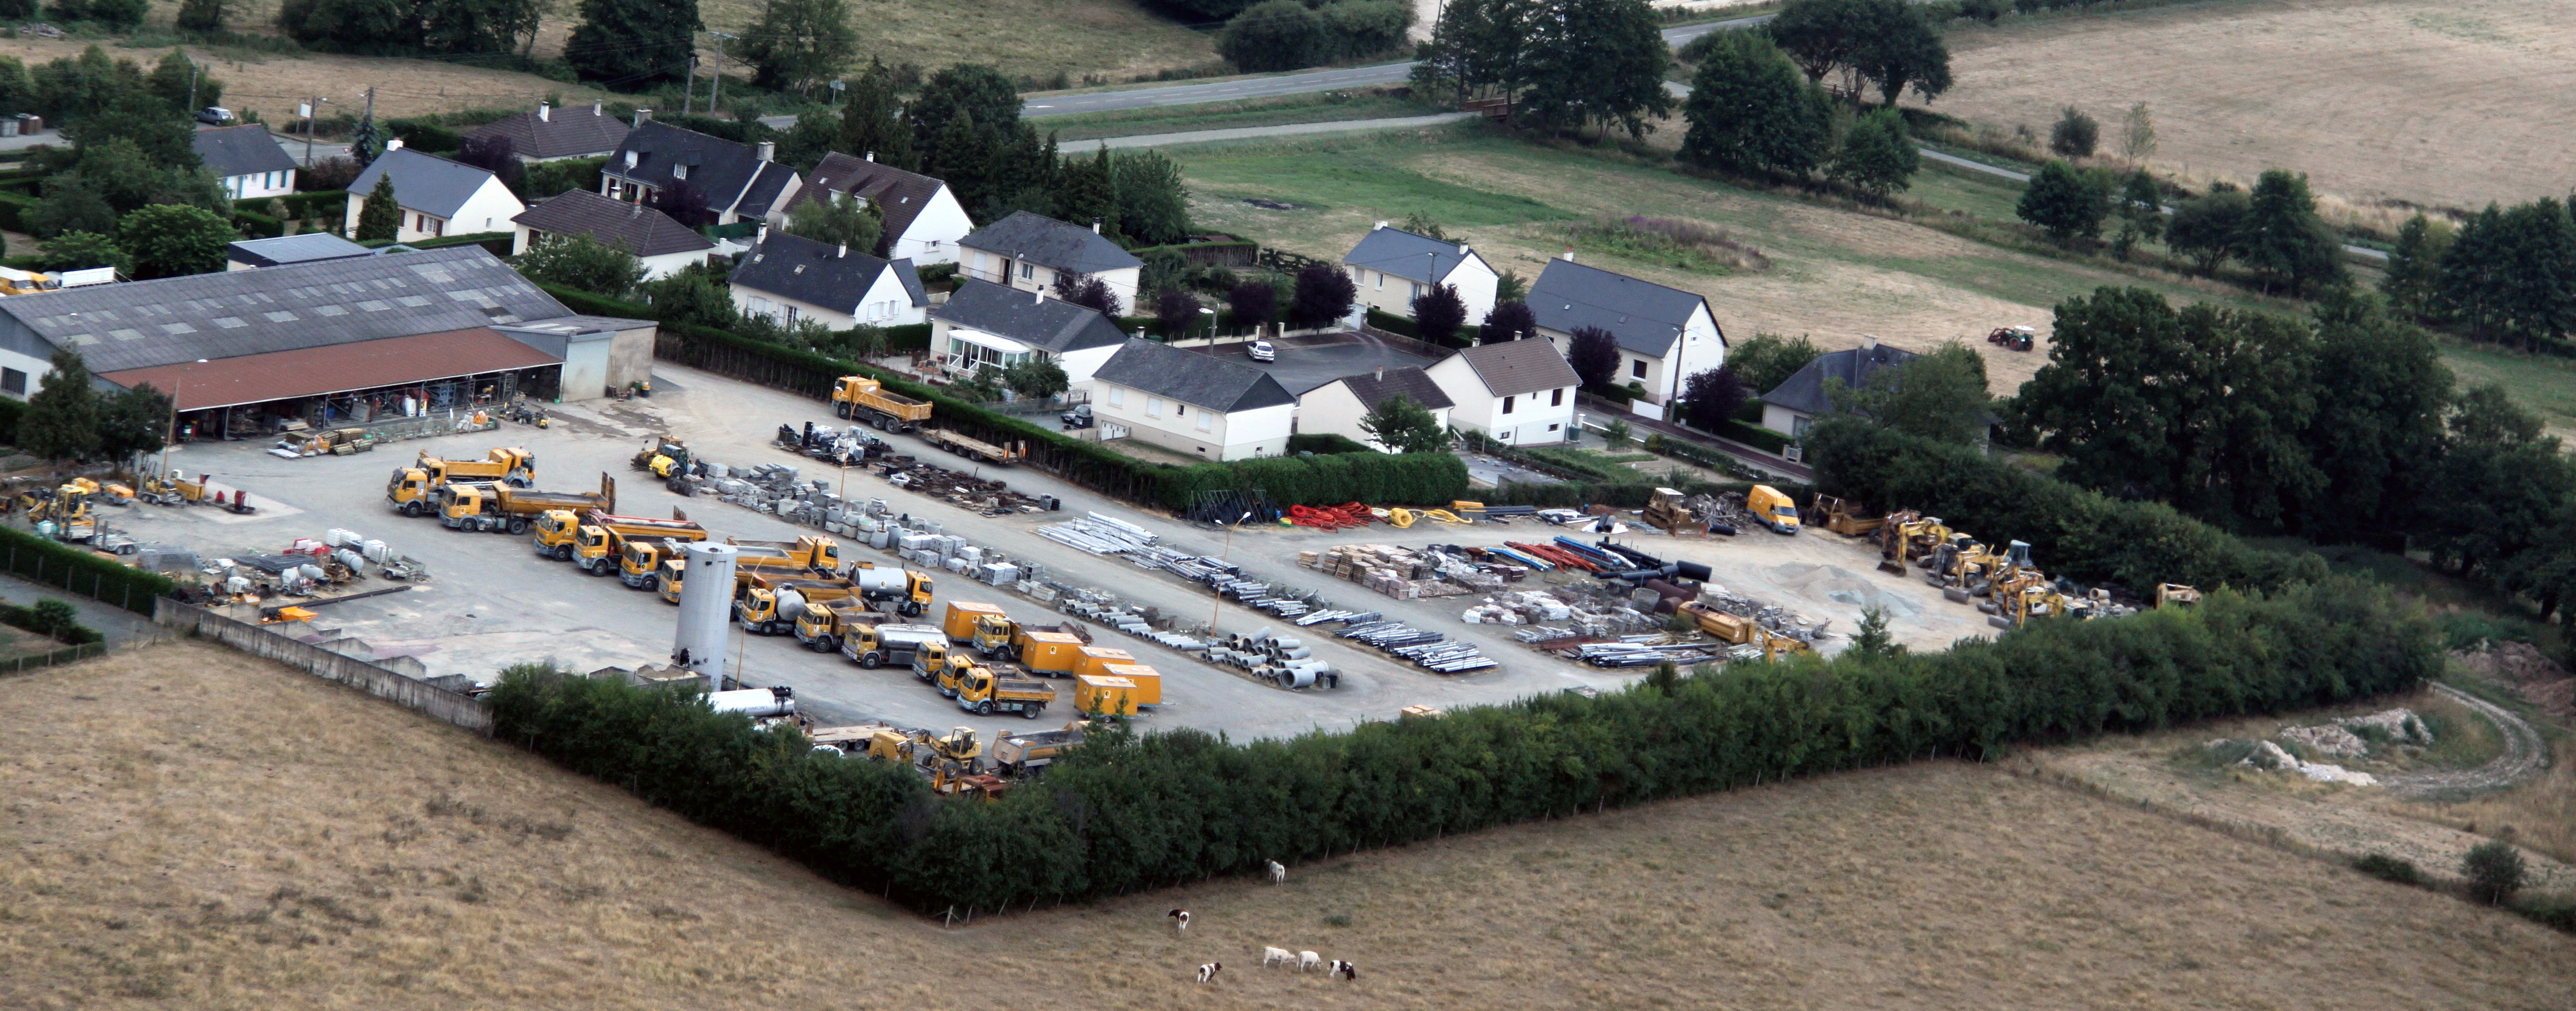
(1412, 574)
(1104, 535)
(988, 498)
(307, 567)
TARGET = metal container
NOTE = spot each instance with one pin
(706, 604)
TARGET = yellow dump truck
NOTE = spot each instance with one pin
(602, 544)
(1052, 650)
(816, 552)
(1025, 754)
(513, 466)
(500, 508)
(865, 400)
(581, 535)
(822, 628)
(985, 692)
(961, 616)
(667, 574)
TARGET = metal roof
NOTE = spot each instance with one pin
(1050, 243)
(284, 249)
(1645, 316)
(363, 365)
(1390, 250)
(230, 314)
(1203, 381)
(1049, 324)
(243, 150)
(816, 274)
(423, 182)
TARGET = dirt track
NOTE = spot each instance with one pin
(2525, 755)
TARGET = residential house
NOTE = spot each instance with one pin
(437, 196)
(1664, 334)
(1392, 267)
(651, 236)
(1029, 251)
(1800, 399)
(923, 220)
(278, 251)
(987, 324)
(740, 182)
(1338, 407)
(550, 134)
(1520, 392)
(789, 277)
(246, 160)
(1194, 404)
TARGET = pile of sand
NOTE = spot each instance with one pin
(1835, 584)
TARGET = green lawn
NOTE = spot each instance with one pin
(1326, 107)
(1951, 188)
(2539, 382)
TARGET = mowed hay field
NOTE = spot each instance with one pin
(2442, 102)
(185, 827)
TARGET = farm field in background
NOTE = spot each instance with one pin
(165, 844)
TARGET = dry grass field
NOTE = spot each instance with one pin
(183, 827)
(2442, 102)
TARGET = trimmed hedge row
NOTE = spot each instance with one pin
(1324, 442)
(2072, 531)
(1432, 479)
(81, 572)
(68, 631)
(1755, 436)
(1123, 813)
(498, 243)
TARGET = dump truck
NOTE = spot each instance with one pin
(600, 543)
(1028, 754)
(1009, 452)
(874, 646)
(822, 628)
(920, 750)
(500, 508)
(940, 659)
(909, 591)
(513, 466)
(865, 400)
(557, 533)
(1052, 650)
(959, 621)
(667, 575)
(767, 605)
(639, 562)
(985, 692)
(816, 552)
(1772, 509)
(1843, 516)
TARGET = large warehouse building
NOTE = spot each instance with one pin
(332, 342)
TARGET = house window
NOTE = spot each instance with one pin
(1027, 270)
(1637, 369)
(1417, 289)
(1552, 428)
(1556, 397)
(1507, 405)
(760, 306)
(679, 171)
(1207, 422)
(791, 314)
(1153, 407)
(13, 381)
(1798, 426)
(1381, 282)
(1117, 396)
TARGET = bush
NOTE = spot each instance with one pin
(1126, 812)
(2074, 135)
(2388, 868)
(45, 561)
(2494, 870)
(1755, 436)
(1325, 443)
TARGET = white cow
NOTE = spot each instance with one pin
(1277, 873)
(1276, 956)
(1309, 960)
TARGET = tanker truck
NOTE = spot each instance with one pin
(770, 606)
(908, 589)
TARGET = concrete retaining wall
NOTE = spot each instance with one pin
(454, 707)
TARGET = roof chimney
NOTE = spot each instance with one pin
(871, 156)
(1379, 225)
(768, 150)
(643, 116)
(1462, 249)
(394, 144)
(1095, 226)
(1569, 254)
(598, 108)
(545, 113)
(1869, 342)
(1381, 373)
(1037, 298)
(760, 236)
(844, 253)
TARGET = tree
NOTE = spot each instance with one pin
(1274, 35)
(368, 27)
(2283, 239)
(582, 264)
(961, 91)
(872, 120)
(1153, 203)
(1253, 304)
(1323, 296)
(1090, 293)
(1598, 61)
(839, 219)
(2141, 212)
(1750, 112)
(479, 26)
(694, 294)
(798, 44)
(2062, 202)
(133, 422)
(2501, 486)
(117, 15)
(169, 240)
(203, 17)
(1878, 156)
(70, 205)
(1358, 29)
(2412, 282)
(2494, 870)
(1710, 398)
(495, 154)
(1508, 321)
(1438, 313)
(1399, 425)
(1177, 311)
(61, 420)
(1822, 35)
(1036, 379)
(176, 80)
(379, 217)
(634, 43)
(1872, 639)
(1884, 42)
(805, 144)
(1423, 224)
(1767, 360)
(1087, 193)
(2074, 135)
(2138, 134)
(82, 250)
(1940, 396)
(1594, 353)
(1478, 46)
(2204, 228)
(2376, 437)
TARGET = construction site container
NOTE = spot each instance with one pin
(960, 621)
(1148, 682)
(1093, 658)
(1054, 654)
(1102, 695)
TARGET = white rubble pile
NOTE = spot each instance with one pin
(2401, 725)
(2330, 740)
(2268, 755)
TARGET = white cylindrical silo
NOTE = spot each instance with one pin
(706, 601)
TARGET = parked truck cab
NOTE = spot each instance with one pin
(666, 578)
(1773, 509)
(410, 492)
(984, 693)
(556, 530)
(876, 646)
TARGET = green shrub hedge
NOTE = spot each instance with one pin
(1755, 436)
(1325, 442)
(1123, 813)
(1418, 479)
(53, 564)
(34, 619)
(257, 226)
(13, 210)
(2072, 531)
(1392, 323)
(908, 337)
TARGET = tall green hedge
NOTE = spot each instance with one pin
(54, 564)
(2072, 531)
(1123, 813)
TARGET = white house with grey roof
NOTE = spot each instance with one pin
(437, 196)
(663, 246)
(246, 160)
(985, 324)
(1194, 404)
(1392, 267)
(1338, 407)
(740, 182)
(1520, 392)
(789, 278)
(1795, 404)
(923, 220)
(1029, 251)
(1664, 334)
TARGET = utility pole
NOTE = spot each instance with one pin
(688, 87)
(193, 71)
(312, 114)
(715, 92)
